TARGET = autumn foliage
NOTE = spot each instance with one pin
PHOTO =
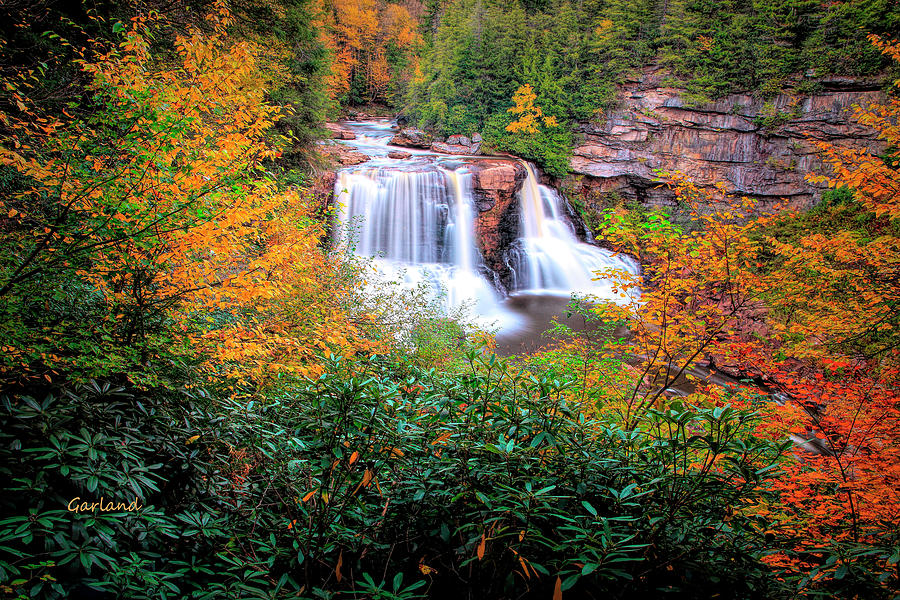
(374, 48)
(174, 325)
(811, 319)
(154, 202)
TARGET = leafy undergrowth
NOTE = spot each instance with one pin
(363, 484)
(170, 427)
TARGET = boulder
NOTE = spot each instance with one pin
(459, 140)
(344, 155)
(399, 154)
(339, 133)
(412, 138)
(451, 148)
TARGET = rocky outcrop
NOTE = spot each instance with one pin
(459, 144)
(343, 155)
(412, 138)
(339, 133)
(496, 183)
(757, 148)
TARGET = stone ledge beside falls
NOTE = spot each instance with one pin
(655, 128)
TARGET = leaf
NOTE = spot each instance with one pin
(337, 567)
(479, 551)
(557, 589)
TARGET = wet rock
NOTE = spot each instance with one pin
(496, 183)
(399, 154)
(352, 158)
(452, 148)
(412, 138)
(500, 176)
(458, 144)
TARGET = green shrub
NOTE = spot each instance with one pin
(486, 482)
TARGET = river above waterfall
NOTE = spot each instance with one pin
(414, 212)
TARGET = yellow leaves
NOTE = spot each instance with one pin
(603, 27)
(192, 439)
(530, 115)
(425, 569)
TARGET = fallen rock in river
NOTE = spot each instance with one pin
(413, 138)
(399, 154)
(450, 148)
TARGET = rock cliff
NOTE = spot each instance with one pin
(496, 183)
(754, 147)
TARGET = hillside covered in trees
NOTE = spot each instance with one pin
(209, 388)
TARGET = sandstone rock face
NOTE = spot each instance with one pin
(412, 138)
(726, 141)
(450, 148)
(496, 183)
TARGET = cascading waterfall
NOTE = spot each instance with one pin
(418, 226)
(549, 258)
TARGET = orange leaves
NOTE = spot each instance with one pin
(359, 34)
(165, 202)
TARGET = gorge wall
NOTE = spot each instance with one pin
(754, 147)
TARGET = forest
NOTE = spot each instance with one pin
(205, 394)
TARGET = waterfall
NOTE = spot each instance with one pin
(418, 226)
(548, 257)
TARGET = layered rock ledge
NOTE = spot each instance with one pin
(755, 147)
